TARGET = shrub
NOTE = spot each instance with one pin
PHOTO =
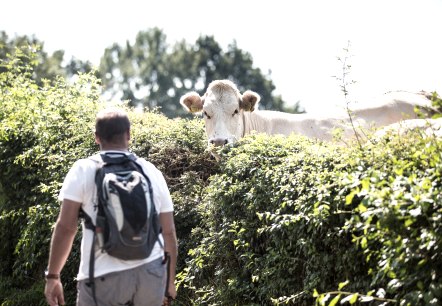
(275, 225)
(397, 222)
(43, 131)
(278, 220)
(289, 218)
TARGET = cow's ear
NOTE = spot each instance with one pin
(192, 102)
(249, 101)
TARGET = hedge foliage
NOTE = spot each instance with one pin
(276, 221)
(43, 131)
(294, 222)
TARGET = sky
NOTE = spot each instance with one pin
(394, 44)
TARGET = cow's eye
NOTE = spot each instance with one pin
(235, 112)
(207, 116)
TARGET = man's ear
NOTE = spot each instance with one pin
(249, 101)
(192, 102)
(97, 139)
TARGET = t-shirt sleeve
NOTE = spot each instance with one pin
(163, 193)
(73, 184)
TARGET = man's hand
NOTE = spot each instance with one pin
(61, 244)
(54, 292)
(171, 295)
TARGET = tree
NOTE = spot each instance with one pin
(138, 72)
(46, 67)
(76, 66)
(151, 73)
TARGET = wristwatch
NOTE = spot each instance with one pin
(51, 275)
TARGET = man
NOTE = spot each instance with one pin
(117, 282)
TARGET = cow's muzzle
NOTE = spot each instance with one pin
(218, 142)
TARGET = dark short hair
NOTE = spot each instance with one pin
(111, 125)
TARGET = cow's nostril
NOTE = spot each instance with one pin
(218, 142)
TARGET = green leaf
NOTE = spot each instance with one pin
(324, 298)
(349, 197)
(365, 184)
(352, 298)
(362, 208)
(315, 293)
(335, 300)
(408, 222)
(343, 284)
(364, 242)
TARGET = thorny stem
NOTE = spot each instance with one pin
(344, 85)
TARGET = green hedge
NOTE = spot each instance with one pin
(275, 226)
(294, 222)
(42, 132)
(276, 221)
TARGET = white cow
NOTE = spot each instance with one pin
(427, 128)
(229, 115)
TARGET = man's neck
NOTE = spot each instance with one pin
(113, 148)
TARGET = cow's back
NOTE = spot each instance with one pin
(393, 107)
(274, 122)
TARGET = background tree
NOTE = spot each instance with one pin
(139, 72)
(46, 66)
(75, 66)
(151, 73)
(207, 62)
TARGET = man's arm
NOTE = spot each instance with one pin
(61, 244)
(170, 246)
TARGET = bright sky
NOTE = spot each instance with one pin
(395, 44)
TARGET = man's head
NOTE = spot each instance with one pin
(112, 129)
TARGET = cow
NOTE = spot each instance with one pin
(230, 115)
(426, 127)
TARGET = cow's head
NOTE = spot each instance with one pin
(223, 109)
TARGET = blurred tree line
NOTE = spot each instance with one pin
(151, 73)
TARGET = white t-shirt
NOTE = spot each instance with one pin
(79, 186)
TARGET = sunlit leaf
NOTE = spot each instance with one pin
(335, 300)
(343, 284)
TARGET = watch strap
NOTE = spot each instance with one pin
(52, 276)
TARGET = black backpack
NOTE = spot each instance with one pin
(127, 225)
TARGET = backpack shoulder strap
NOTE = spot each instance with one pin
(90, 225)
(87, 220)
(149, 183)
(91, 282)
